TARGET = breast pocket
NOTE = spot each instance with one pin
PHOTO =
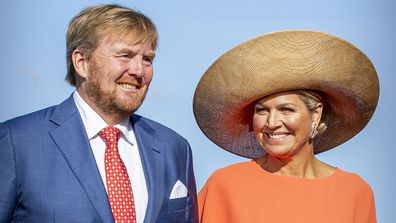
(177, 210)
(178, 204)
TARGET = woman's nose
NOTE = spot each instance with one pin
(274, 120)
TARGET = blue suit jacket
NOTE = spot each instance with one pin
(48, 172)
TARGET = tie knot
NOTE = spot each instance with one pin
(110, 134)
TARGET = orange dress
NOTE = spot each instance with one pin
(245, 193)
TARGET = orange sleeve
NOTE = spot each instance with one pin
(212, 202)
(365, 210)
(372, 217)
(201, 201)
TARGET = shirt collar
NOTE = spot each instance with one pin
(125, 127)
(93, 123)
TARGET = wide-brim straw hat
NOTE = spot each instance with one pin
(282, 61)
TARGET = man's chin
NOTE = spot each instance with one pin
(129, 103)
(128, 107)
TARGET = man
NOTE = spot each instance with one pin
(91, 159)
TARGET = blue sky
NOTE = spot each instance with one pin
(192, 35)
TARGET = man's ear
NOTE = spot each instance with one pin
(80, 63)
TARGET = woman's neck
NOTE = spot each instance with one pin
(301, 166)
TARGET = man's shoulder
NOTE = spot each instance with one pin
(31, 118)
(38, 117)
(159, 128)
(31, 124)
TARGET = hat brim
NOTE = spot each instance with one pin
(284, 61)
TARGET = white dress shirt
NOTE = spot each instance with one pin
(127, 147)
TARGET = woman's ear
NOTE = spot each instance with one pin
(317, 113)
(80, 63)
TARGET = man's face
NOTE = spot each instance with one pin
(119, 73)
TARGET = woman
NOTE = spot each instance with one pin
(280, 99)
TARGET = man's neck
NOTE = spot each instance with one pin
(111, 118)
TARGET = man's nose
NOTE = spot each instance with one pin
(136, 67)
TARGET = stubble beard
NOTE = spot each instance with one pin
(111, 103)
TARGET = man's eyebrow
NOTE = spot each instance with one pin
(149, 53)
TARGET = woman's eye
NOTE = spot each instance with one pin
(260, 110)
(287, 109)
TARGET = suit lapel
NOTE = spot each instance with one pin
(72, 141)
(153, 165)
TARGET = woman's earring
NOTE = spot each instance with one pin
(314, 132)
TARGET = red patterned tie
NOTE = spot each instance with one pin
(119, 187)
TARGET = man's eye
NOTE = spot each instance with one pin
(122, 56)
(148, 59)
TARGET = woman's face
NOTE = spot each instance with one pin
(283, 123)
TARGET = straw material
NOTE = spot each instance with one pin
(282, 61)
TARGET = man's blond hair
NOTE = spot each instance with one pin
(88, 27)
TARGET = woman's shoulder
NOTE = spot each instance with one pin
(352, 180)
(232, 172)
(234, 168)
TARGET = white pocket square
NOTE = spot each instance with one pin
(178, 191)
